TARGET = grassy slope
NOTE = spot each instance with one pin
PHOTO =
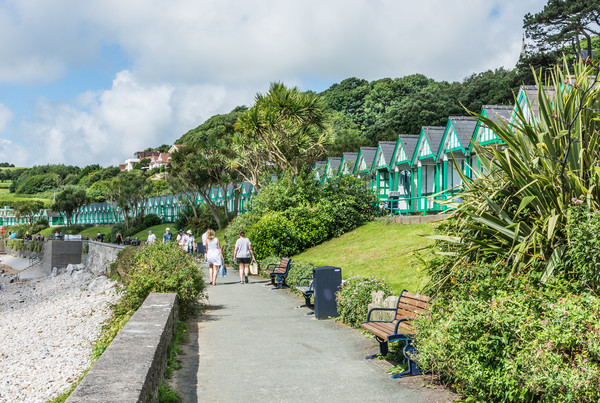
(379, 249)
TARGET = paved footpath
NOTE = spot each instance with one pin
(252, 344)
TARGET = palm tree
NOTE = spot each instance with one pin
(288, 126)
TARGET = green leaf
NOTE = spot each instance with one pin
(553, 262)
(524, 203)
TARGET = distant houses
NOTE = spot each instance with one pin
(414, 174)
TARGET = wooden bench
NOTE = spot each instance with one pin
(307, 291)
(278, 272)
(409, 306)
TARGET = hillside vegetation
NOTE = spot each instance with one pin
(378, 248)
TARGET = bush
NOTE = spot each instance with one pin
(581, 263)
(354, 297)
(118, 227)
(151, 220)
(297, 271)
(72, 230)
(513, 340)
(274, 235)
(161, 268)
(294, 214)
(39, 225)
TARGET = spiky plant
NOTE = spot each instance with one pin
(514, 212)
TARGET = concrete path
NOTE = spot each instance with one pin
(252, 344)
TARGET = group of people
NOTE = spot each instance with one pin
(210, 248)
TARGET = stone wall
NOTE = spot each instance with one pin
(133, 364)
(379, 302)
(100, 255)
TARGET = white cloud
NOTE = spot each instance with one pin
(13, 153)
(191, 59)
(109, 126)
(238, 41)
(6, 116)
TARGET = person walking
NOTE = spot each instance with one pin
(119, 238)
(181, 239)
(204, 238)
(151, 238)
(243, 254)
(214, 256)
(190, 242)
(167, 236)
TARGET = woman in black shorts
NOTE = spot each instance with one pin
(244, 255)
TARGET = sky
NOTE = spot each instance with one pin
(92, 82)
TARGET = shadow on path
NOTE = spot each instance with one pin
(252, 344)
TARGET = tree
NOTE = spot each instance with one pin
(289, 125)
(98, 191)
(428, 107)
(129, 191)
(29, 209)
(564, 23)
(68, 201)
(198, 168)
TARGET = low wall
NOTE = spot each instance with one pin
(415, 219)
(133, 364)
(100, 256)
(60, 254)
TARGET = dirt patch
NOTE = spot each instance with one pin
(7, 269)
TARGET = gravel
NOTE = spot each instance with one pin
(47, 330)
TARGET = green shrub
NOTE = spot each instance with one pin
(581, 263)
(151, 220)
(274, 234)
(297, 271)
(39, 225)
(296, 213)
(354, 297)
(16, 244)
(513, 340)
(118, 227)
(72, 230)
(163, 268)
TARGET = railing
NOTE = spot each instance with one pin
(405, 205)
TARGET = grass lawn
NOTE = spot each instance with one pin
(91, 232)
(158, 230)
(376, 249)
(7, 198)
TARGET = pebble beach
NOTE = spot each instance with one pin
(47, 330)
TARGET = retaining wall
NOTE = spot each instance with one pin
(60, 254)
(100, 256)
(133, 364)
(415, 219)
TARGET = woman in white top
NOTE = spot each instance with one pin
(214, 256)
(242, 254)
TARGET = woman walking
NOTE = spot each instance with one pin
(214, 256)
(243, 254)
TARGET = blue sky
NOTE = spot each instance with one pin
(84, 82)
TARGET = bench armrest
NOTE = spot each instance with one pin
(400, 321)
(306, 278)
(271, 266)
(379, 309)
